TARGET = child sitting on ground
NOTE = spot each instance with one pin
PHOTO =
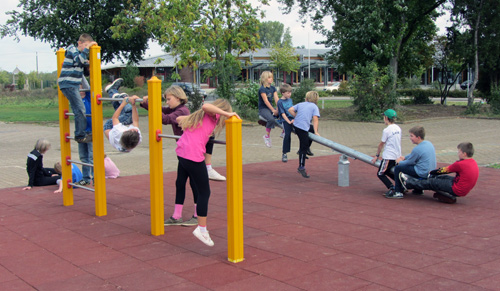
(76, 175)
(122, 129)
(467, 173)
(38, 175)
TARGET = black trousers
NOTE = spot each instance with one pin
(305, 144)
(198, 179)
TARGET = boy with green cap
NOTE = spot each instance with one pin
(391, 144)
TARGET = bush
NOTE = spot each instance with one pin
(129, 74)
(372, 91)
(494, 101)
(248, 96)
(299, 94)
(409, 83)
(419, 96)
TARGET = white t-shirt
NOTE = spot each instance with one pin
(392, 138)
(116, 133)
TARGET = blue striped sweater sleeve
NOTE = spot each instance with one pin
(72, 68)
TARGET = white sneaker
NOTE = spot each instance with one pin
(282, 135)
(267, 141)
(203, 236)
(213, 175)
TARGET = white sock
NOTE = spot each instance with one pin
(202, 228)
(209, 167)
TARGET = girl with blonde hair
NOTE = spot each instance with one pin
(191, 147)
(267, 93)
(306, 120)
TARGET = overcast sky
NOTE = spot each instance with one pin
(23, 54)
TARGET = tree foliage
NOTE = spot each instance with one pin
(128, 74)
(372, 90)
(61, 22)
(196, 31)
(284, 59)
(380, 31)
(477, 23)
(273, 33)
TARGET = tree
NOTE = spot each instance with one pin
(21, 80)
(60, 23)
(477, 21)
(380, 31)
(128, 75)
(5, 77)
(449, 60)
(195, 31)
(284, 59)
(34, 80)
(272, 33)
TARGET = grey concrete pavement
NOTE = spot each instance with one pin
(17, 140)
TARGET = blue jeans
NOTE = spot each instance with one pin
(86, 156)
(407, 169)
(75, 100)
(125, 117)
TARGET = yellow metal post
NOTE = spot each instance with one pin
(97, 128)
(234, 160)
(64, 129)
(155, 157)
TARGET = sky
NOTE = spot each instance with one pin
(32, 55)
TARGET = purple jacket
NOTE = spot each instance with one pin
(169, 116)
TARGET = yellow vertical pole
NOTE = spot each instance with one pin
(234, 160)
(64, 129)
(97, 128)
(155, 157)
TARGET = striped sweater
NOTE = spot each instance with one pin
(72, 68)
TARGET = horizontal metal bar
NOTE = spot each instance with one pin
(84, 90)
(83, 187)
(117, 99)
(81, 163)
(177, 137)
(72, 114)
(337, 147)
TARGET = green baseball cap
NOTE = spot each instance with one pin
(390, 113)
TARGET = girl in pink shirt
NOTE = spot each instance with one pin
(198, 127)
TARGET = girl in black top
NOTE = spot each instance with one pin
(38, 175)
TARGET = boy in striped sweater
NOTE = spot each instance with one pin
(69, 83)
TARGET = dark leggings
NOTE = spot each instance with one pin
(305, 144)
(198, 179)
(210, 145)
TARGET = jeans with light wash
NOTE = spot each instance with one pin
(125, 117)
(86, 156)
(76, 103)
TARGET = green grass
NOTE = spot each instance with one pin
(34, 114)
(334, 103)
(495, 166)
(38, 106)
